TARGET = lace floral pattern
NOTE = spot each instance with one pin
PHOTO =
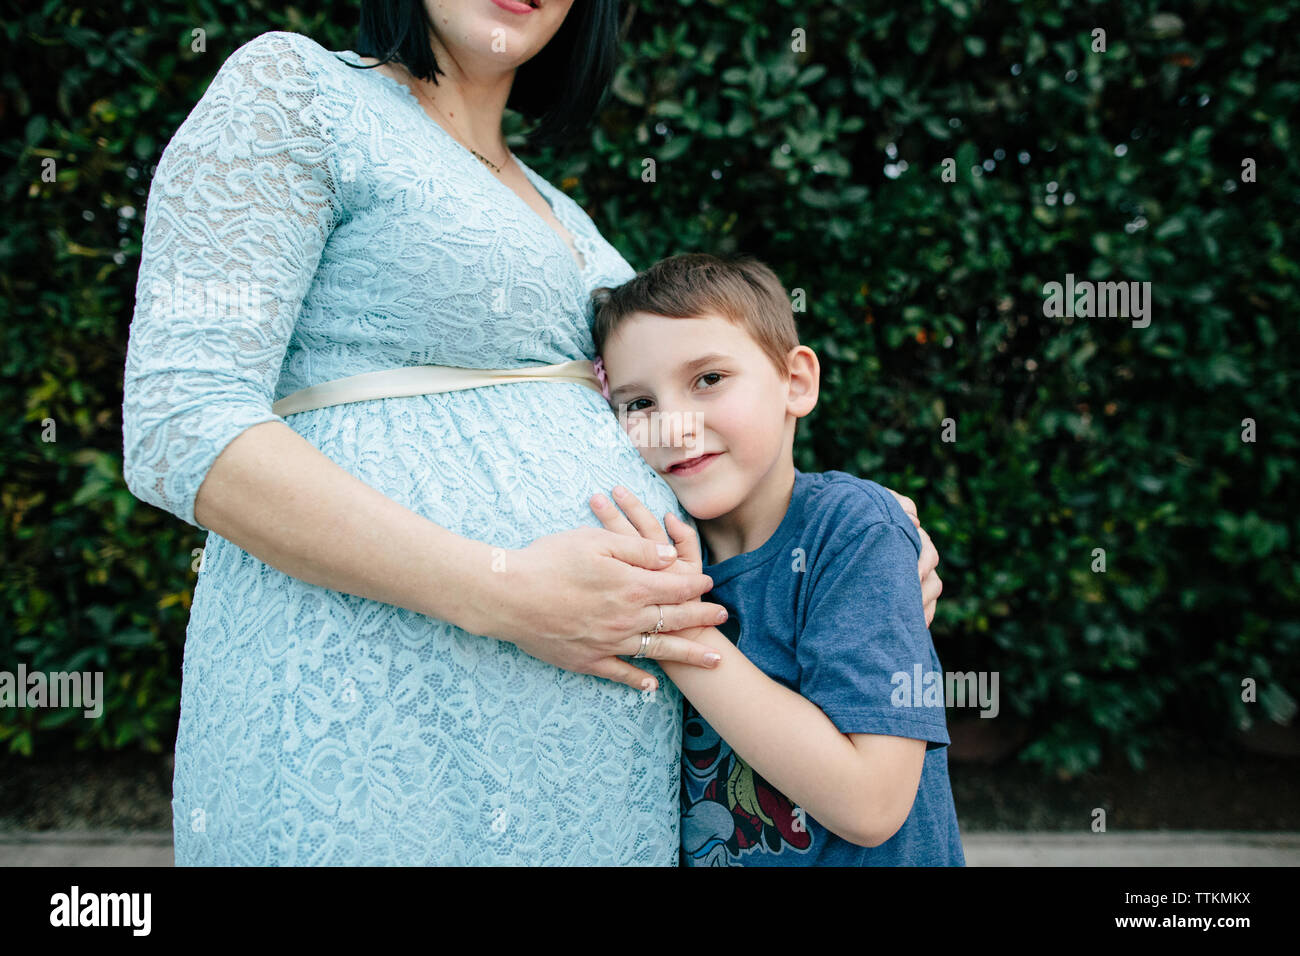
(309, 221)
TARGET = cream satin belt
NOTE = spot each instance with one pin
(427, 379)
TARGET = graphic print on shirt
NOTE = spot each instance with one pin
(728, 810)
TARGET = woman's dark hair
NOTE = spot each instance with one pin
(562, 87)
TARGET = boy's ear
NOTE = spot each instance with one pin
(805, 380)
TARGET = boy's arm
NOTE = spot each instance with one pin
(859, 786)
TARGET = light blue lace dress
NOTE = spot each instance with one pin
(309, 221)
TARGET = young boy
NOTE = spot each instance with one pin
(806, 745)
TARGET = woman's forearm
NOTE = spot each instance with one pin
(783, 737)
(279, 498)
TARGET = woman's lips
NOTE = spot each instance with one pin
(692, 465)
(513, 6)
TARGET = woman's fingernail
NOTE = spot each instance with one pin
(647, 683)
(619, 491)
(712, 658)
(599, 500)
(666, 551)
(722, 615)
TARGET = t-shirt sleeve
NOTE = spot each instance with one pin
(864, 644)
(238, 215)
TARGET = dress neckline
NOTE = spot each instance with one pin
(538, 181)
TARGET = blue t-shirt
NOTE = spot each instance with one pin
(829, 606)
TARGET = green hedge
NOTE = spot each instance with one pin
(924, 301)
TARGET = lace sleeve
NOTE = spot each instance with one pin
(239, 210)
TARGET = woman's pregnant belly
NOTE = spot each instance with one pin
(504, 464)
(319, 727)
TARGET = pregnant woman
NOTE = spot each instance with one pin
(406, 640)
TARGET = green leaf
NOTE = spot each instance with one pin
(812, 74)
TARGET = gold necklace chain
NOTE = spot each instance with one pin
(461, 139)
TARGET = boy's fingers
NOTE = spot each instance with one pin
(929, 554)
(687, 541)
(931, 587)
(641, 553)
(640, 516)
(907, 504)
(612, 519)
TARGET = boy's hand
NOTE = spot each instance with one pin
(931, 586)
(636, 520)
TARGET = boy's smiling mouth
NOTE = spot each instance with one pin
(689, 466)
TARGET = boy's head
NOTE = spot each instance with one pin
(707, 374)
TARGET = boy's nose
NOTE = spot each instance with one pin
(678, 428)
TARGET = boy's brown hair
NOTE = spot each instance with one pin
(740, 289)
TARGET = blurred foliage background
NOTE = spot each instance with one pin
(821, 152)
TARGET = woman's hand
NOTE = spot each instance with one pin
(636, 521)
(579, 599)
(931, 586)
